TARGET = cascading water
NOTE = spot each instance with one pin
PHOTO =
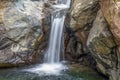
(54, 48)
(52, 63)
(53, 53)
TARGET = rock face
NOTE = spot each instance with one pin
(81, 16)
(102, 46)
(20, 29)
(111, 12)
(83, 13)
(95, 35)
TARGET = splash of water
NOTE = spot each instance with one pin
(48, 69)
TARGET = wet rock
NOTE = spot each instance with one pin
(78, 23)
(24, 30)
(97, 36)
(100, 36)
(19, 30)
(102, 45)
(3, 5)
(83, 12)
(111, 11)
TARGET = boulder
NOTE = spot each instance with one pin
(95, 35)
(111, 12)
(83, 12)
(102, 46)
(78, 24)
(20, 29)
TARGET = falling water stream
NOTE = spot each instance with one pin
(52, 64)
(57, 19)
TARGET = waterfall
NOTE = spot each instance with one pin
(57, 21)
(54, 49)
(52, 65)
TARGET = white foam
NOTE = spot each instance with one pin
(48, 69)
(61, 6)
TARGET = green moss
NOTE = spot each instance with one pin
(4, 65)
(100, 47)
(3, 79)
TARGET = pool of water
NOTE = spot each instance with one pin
(71, 74)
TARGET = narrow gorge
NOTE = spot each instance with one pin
(59, 39)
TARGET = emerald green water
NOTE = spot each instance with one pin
(72, 74)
